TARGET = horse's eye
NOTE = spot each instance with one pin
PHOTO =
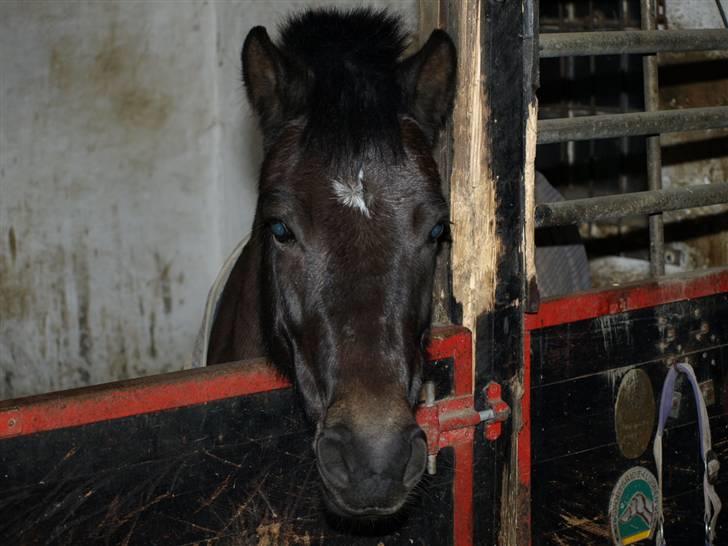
(280, 231)
(437, 231)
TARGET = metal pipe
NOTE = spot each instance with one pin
(624, 59)
(592, 209)
(654, 152)
(562, 44)
(631, 124)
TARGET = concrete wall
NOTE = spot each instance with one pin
(128, 167)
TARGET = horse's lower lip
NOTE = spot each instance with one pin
(341, 508)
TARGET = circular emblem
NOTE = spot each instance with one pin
(633, 506)
(634, 413)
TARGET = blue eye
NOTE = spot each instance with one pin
(280, 231)
(437, 231)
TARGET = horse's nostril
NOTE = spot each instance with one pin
(417, 460)
(330, 453)
(369, 470)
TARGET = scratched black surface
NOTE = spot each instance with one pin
(576, 374)
(509, 80)
(593, 346)
(238, 472)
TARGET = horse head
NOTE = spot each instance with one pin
(349, 221)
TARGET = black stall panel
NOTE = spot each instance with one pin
(595, 393)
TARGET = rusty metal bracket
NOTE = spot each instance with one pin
(497, 412)
(447, 421)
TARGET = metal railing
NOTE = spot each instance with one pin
(592, 209)
(650, 123)
(631, 124)
(576, 44)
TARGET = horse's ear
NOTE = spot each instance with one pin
(428, 82)
(263, 74)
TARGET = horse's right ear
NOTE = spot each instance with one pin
(263, 74)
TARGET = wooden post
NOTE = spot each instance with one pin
(492, 272)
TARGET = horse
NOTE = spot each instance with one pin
(335, 283)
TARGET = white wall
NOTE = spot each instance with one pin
(128, 167)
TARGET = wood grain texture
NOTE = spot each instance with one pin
(529, 187)
(475, 246)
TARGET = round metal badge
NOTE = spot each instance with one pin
(633, 507)
(634, 413)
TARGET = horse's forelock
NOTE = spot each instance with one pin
(352, 97)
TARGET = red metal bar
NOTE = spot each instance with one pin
(524, 434)
(454, 342)
(610, 302)
(451, 422)
(462, 488)
(184, 388)
(524, 535)
(136, 396)
(448, 415)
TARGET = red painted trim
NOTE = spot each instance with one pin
(133, 397)
(524, 448)
(462, 488)
(120, 399)
(524, 435)
(454, 342)
(451, 422)
(609, 302)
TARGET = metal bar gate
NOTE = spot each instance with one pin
(650, 123)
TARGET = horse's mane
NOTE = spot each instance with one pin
(349, 60)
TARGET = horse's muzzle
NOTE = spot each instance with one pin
(370, 475)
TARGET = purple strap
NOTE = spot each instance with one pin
(712, 501)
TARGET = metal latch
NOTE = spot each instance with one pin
(451, 416)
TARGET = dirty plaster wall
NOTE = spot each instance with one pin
(128, 161)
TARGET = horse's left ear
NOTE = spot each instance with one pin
(427, 79)
(264, 77)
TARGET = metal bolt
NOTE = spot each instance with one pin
(432, 465)
(429, 393)
(12, 422)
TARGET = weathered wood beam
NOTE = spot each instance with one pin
(475, 246)
(492, 256)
